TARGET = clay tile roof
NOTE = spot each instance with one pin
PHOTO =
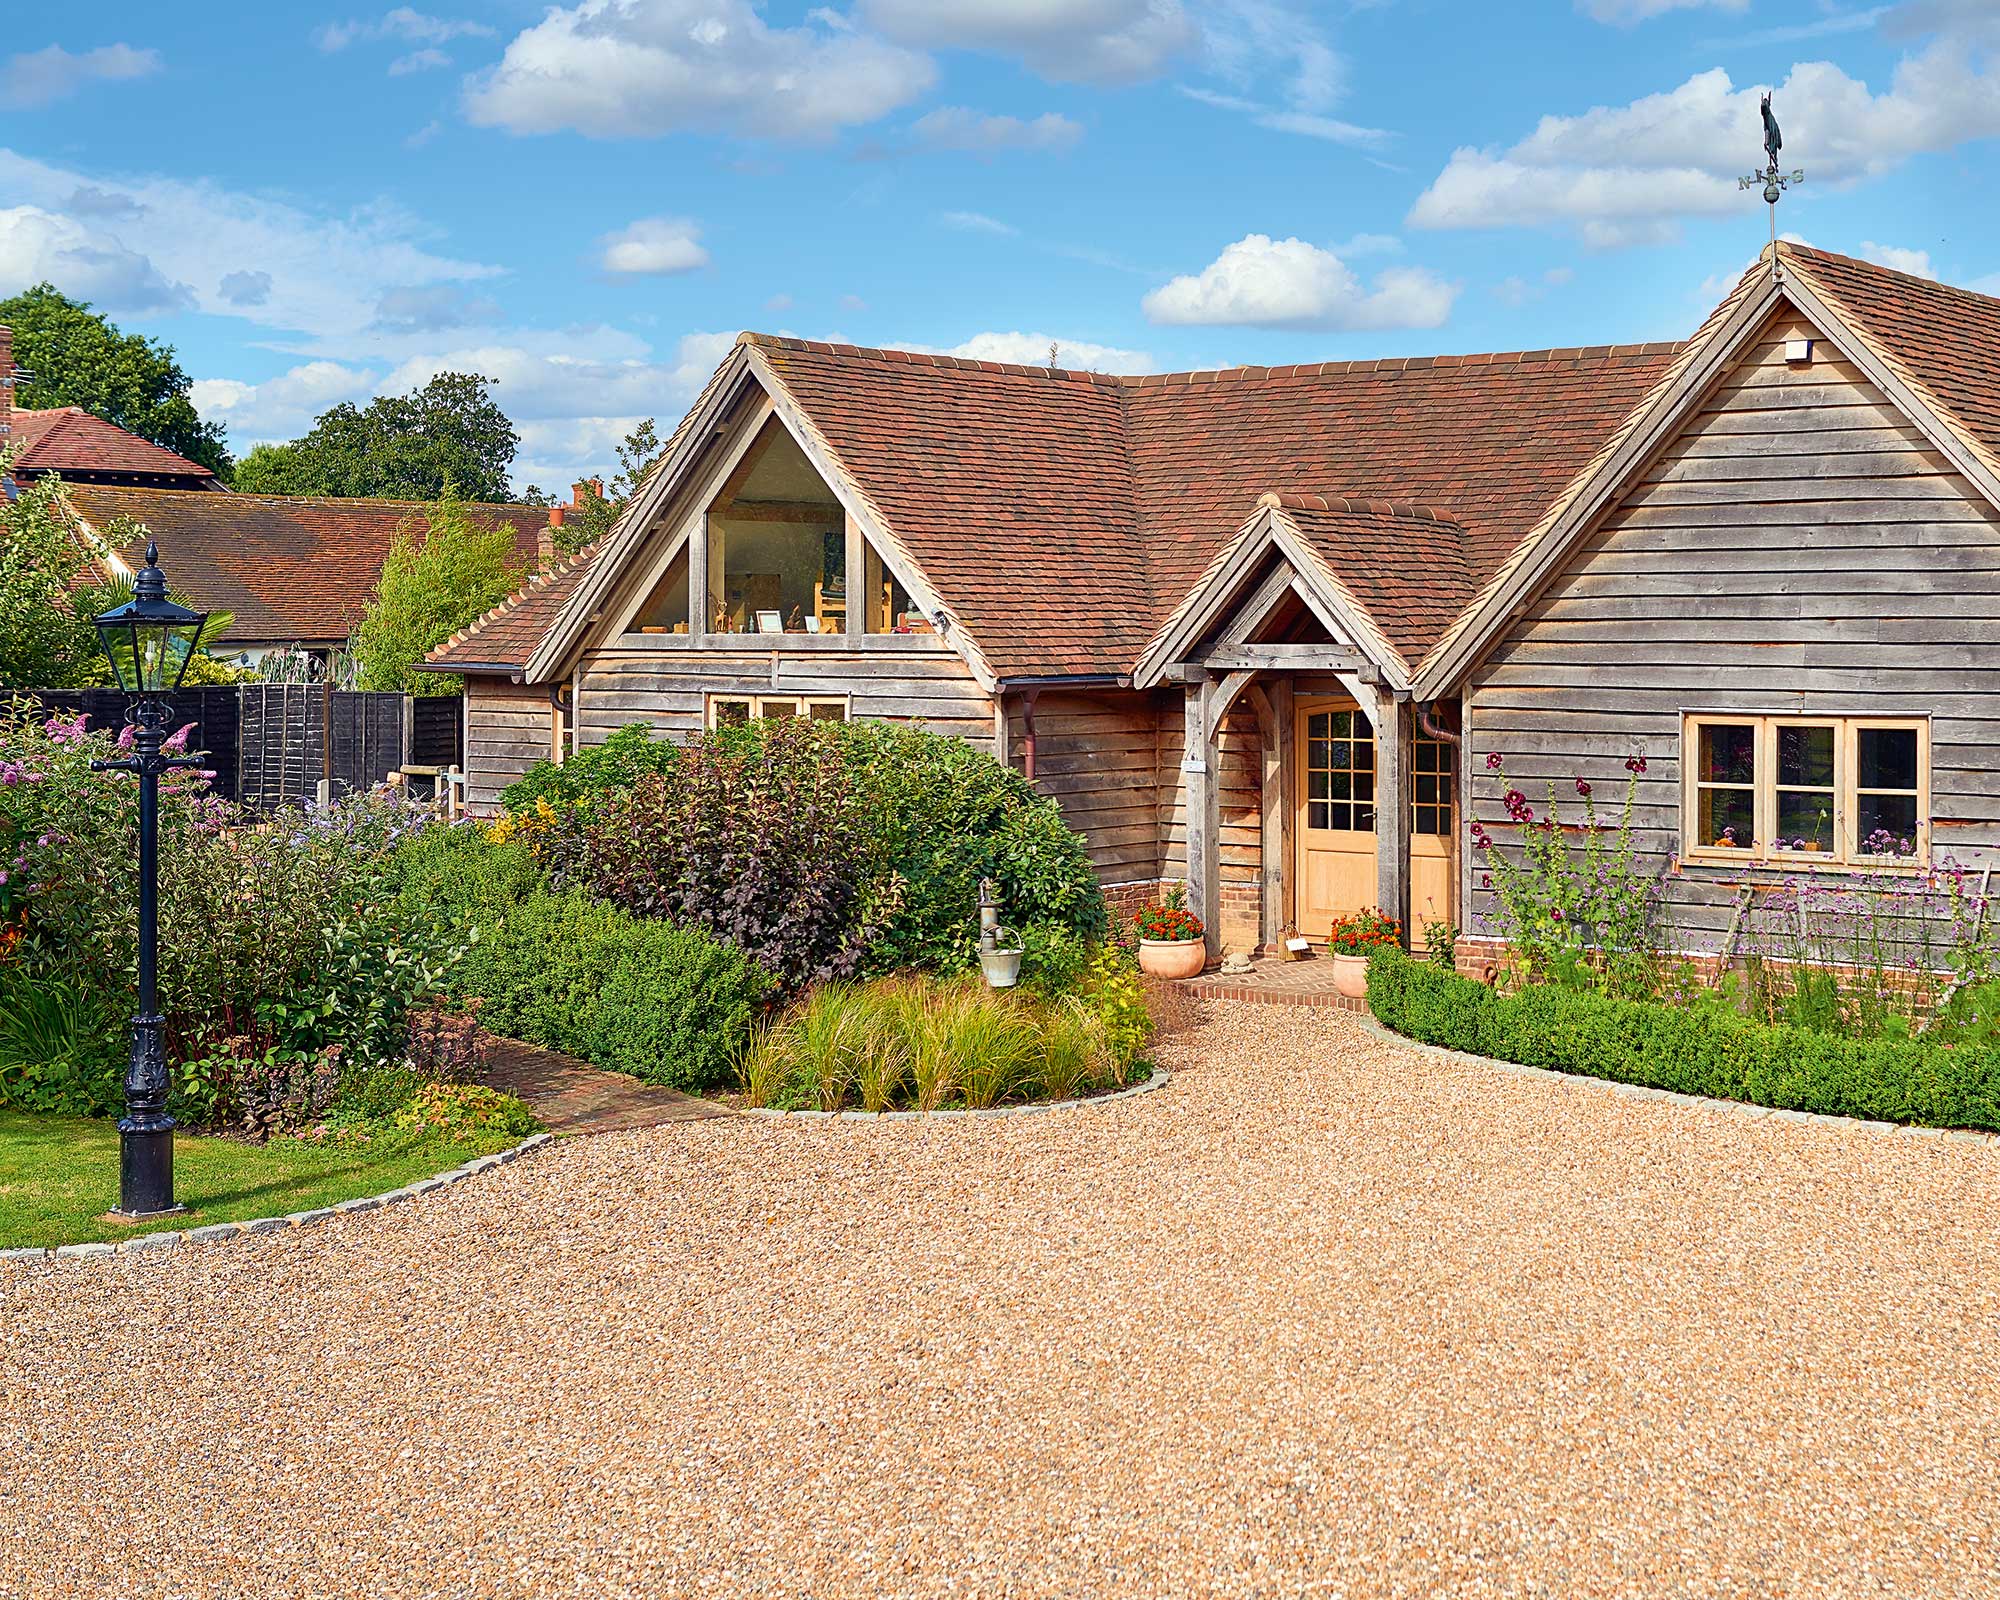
(292, 570)
(1064, 515)
(506, 636)
(1946, 339)
(1405, 564)
(70, 441)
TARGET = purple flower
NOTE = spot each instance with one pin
(1635, 765)
(1583, 788)
(1493, 761)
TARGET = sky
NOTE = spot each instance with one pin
(314, 202)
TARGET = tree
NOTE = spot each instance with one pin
(401, 447)
(79, 358)
(432, 584)
(637, 453)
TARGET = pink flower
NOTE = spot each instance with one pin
(1493, 761)
(1583, 788)
(1635, 765)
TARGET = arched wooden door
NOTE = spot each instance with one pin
(1334, 831)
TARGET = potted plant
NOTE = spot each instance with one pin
(1352, 940)
(1172, 941)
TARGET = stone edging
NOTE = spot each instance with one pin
(1159, 1080)
(220, 1232)
(1640, 1091)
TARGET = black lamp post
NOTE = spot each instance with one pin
(150, 641)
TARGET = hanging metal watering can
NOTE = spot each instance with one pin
(999, 946)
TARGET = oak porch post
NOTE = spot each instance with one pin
(1199, 802)
(1392, 805)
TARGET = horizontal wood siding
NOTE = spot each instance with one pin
(1097, 755)
(508, 728)
(668, 687)
(1799, 548)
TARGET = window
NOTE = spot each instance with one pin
(1806, 789)
(666, 608)
(733, 710)
(1431, 787)
(1340, 772)
(777, 545)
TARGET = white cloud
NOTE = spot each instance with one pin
(44, 76)
(1072, 41)
(279, 408)
(976, 222)
(1310, 124)
(1287, 283)
(412, 27)
(640, 68)
(418, 61)
(1518, 291)
(1915, 262)
(1627, 12)
(1032, 350)
(653, 246)
(1624, 174)
(155, 242)
(960, 128)
(87, 263)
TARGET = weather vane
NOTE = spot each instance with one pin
(1773, 182)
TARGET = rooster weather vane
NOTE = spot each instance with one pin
(1773, 182)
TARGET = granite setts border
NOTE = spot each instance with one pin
(1159, 1080)
(220, 1232)
(1747, 1109)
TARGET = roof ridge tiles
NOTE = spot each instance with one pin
(1354, 505)
(1206, 376)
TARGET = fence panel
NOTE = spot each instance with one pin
(216, 712)
(438, 731)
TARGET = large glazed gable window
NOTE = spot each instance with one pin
(1806, 789)
(777, 545)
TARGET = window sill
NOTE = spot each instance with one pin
(1796, 863)
(775, 643)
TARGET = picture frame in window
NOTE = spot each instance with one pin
(770, 622)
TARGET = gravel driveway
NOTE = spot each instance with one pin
(1324, 1316)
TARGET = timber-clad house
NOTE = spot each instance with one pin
(1259, 630)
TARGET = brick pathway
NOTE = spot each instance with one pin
(1273, 982)
(573, 1097)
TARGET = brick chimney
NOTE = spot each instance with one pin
(583, 491)
(6, 384)
(545, 542)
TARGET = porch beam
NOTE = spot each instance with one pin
(1284, 657)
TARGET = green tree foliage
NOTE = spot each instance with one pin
(46, 637)
(400, 447)
(79, 358)
(433, 584)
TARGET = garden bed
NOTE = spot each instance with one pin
(1700, 1049)
(59, 1176)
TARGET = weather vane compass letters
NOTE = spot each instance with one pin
(1773, 182)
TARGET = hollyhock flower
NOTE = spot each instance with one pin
(1635, 765)
(1583, 788)
(1493, 761)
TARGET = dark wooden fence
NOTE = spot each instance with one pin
(271, 744)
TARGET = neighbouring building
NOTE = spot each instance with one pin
(1259, 630)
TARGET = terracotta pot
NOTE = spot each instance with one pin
(1172, 958)
(1350, 976)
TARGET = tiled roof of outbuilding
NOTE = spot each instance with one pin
(504, 638)
(69, 440)
(291, 569)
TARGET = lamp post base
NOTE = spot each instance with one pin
(145, 1168)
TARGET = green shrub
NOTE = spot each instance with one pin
(59, 1053)
(829, 848)
(463, 1111)
(1699, 1049)
(669, 1005)
(593, 773)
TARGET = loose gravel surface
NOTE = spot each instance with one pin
(1325, 1316)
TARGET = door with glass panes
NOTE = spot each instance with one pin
(1335, 826)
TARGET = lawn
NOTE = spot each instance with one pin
(59, 1175)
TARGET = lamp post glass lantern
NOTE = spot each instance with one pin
(149, 640)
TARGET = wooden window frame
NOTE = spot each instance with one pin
(1845, 851)
(802, 706)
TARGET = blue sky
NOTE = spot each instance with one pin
(587, 202)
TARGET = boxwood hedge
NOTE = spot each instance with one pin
(1701, 1049)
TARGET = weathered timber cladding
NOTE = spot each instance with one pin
(667, 686)
(508, 728)
(1098, 756)
(1798, 548)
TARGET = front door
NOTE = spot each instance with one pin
(1336, 817)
